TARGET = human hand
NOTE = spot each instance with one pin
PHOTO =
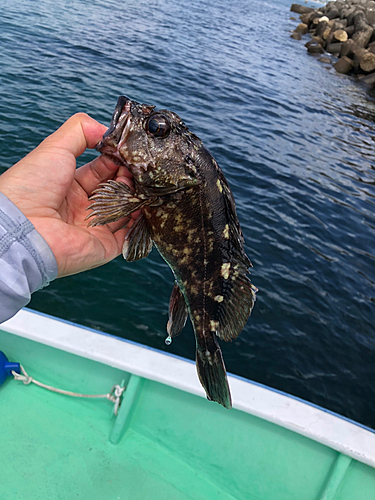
(53, 195)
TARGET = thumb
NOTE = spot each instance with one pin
(78, 133)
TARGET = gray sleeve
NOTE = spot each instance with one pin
(26, 261)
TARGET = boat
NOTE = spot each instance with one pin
(151, 434)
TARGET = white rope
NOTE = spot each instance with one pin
(115, 395)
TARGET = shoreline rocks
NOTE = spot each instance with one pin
(346, 30)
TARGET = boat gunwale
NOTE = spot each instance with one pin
(312, 421)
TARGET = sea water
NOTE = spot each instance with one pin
(294, 139)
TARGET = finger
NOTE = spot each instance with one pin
(99, 170)
(78, 133)
(120, 237)
(125, 179)
(125, 223)
(113, 250)
(124, 172)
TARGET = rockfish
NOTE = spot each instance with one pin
(188, 213)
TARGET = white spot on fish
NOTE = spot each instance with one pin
(214, 325)
(225, 268)
(219, 298)
(218, 183)
(226, 232)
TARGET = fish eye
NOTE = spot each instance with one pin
(158, 126)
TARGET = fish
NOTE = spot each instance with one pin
(188, 212)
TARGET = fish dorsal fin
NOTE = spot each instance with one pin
(236, 238)
(238, 297)
(236, 303)
(138, 242)
(178, 312)
(114, 200)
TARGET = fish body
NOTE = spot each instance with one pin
(188, 213)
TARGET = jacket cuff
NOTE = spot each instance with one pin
(26, 261)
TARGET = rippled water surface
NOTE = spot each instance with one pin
(295, 141)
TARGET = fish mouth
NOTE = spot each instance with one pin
(116, 134)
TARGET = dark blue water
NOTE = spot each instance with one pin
(295, 141)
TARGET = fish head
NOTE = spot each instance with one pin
(155, 145)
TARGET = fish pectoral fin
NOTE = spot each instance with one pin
(237, 303)
(112, 201)
(138, 241)
(212, 374)
(178, 312)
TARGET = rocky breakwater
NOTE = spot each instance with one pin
(345, 29)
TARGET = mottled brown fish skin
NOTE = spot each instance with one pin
(188, 212)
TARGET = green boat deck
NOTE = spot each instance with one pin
(164, 444)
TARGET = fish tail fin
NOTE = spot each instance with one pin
(212, 374)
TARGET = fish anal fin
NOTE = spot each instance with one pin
(178, 312)
(236, 305)
(138, 242)
(212, 374)
(112, 201)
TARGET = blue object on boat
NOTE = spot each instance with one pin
(6, 367)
